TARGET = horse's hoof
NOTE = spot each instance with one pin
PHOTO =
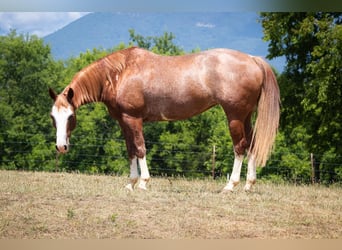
(142, 184)
(247, 188)
(131, 184)
(226, 191)
(229, 187)
(142, 188)
(129, 187)
(249, 185)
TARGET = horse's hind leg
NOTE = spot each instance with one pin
(251, 173)
(237, 132)
(235, 176)
(251, 169)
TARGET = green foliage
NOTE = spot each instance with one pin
(26, 71)
(290, 159)
(161, 45)
(312, 82)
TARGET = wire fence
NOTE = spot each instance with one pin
(166, 159)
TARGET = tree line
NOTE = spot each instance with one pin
(310, 89)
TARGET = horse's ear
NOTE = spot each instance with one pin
(70, 95)
(53, 94)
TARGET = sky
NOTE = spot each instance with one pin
(36, 23)
(44, 23)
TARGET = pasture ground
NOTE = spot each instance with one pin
(38, 205)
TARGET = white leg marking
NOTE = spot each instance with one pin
(145, 175)
(134, 175)
(235, 177)
(251, 173)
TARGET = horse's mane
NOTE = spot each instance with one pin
(89, 82)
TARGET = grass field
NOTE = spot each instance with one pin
(35, 205)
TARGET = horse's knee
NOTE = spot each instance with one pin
(140, 151)
(241, 147)
(136, 148)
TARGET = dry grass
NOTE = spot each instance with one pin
(75, 206)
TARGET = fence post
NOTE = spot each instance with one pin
(312, 168)
(213, 162)
(315, 174)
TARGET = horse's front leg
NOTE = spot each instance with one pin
(134, 174)
(133, 132)
(144, 173)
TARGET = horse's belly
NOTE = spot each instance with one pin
(173, 111)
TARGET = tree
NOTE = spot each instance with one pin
(162, 45)
(26, 71)
(311, 85)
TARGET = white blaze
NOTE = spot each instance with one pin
(61, 116)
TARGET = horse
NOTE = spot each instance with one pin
(139, 86)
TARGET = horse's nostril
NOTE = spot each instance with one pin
(62, 149)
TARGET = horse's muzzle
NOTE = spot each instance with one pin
(62, 149)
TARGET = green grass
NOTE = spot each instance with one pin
(36, 205)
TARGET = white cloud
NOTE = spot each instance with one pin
(205, 25)
(38, 23)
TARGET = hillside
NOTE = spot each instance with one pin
(233, 30)
(37, 205)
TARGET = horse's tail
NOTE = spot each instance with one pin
(268, 113)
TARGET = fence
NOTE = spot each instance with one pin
(163, 161)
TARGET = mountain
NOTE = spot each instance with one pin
(235, 30)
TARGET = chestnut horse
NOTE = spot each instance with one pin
(139, 86)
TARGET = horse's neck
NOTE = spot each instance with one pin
(84, 93)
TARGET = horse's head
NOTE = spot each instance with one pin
(63, 118)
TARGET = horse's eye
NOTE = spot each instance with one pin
(70, 118)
